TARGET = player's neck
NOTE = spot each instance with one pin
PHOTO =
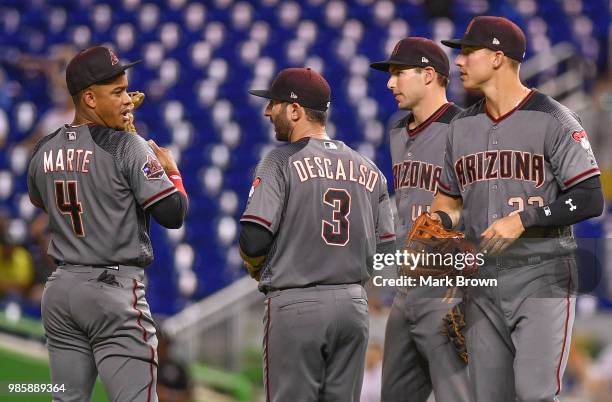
(503, 95)
(426, 108)
(81, 117)
(308, 130)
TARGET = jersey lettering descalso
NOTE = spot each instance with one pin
(416, 174)
(336, 169)
(69, 160)
(504, 164)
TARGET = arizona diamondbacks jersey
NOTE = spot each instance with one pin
(521, 160)
(327, 207)
(96, 184)
(417, 156)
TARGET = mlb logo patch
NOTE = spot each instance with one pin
(71, 135)
(152, 169)
(330, 145)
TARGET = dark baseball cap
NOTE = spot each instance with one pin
(416, 52)
(495, 33)
(298, 85)
(93, 65)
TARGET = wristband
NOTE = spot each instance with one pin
(445, 219)
(177, 180)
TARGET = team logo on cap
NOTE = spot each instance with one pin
(495, 41)
(293, 95)
(424, 60)
(152, 169)
(113, 57)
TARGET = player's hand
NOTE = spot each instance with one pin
(164, 156)
(435, 217)
(501, 234)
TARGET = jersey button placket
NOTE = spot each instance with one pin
(492, 183)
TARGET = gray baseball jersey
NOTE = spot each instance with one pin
(96, 183)
(417, 157)
(328, 208)
(521, 160)
(418, 357)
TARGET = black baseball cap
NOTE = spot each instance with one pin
(93, 65)
(495, 33)
(416, 52)
(298, 85)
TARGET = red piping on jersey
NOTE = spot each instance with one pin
(435, 116)
(257, 218)
(144, 338)
(502, 117)
(387, 236)
(580, 176)
(266, 352)
(567, 314)
(159, 195)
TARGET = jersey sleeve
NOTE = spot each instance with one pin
(448, 179)
(267, 196)
(144, 172)
(385, 228)
(33, 192)
(569, 152)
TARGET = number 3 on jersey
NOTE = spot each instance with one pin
(336, 232)
(71, 207)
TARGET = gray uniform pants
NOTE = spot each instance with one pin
(518, 333)
(418, 357)
(314, 344)
(97, 324)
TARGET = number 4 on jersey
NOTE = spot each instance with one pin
(71, 207)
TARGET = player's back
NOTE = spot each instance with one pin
(95, 188)
(326, 232)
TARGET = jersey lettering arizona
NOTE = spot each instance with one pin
(507, 164)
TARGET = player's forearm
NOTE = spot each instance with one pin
(583, 201)
(255, 241)
(170, 211)
(448, 205)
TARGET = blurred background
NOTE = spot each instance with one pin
(199, 60)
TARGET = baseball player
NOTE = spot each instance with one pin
(316, 213)
(99, 186)
(418, 357)
(518, 165)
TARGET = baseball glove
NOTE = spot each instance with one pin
(253, 264)
(453, 327)
(430, 239)
(137, 99)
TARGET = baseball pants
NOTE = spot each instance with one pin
(98, 322)
(314, 343)
(518, 332)
(418, 357)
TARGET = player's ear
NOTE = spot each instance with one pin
(89, 97)
(295, 111)
(429, 75)
(498, 59)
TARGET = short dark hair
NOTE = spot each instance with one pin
(316, 116)
(442, 80)
(514, 63)
(312, 115)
